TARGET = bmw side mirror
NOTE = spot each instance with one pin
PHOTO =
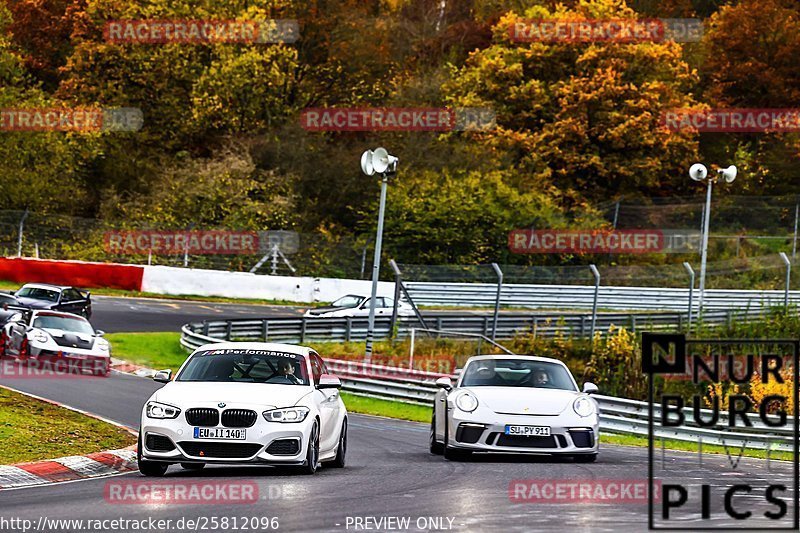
(590, 388)
(444, 383)
(99, 333)
(327, 381)
(163, 376)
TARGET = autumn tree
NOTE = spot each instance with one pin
(584, 117)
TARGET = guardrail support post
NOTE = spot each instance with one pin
(205, 328)
(302, 330)
(596, 274)
(228, 328)
(497, 298)
(411, 350)
(690, 271)
(788, 264)
(265, 329)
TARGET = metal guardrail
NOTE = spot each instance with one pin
(617, 415)
(309, 329)
(582, 297)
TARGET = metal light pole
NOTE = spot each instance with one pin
(704, 245)
(378, 161)
(699, 172)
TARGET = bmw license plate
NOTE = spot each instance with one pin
(220, 433)
(528, 431)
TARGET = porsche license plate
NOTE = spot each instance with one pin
(220, 433)
(528, 431)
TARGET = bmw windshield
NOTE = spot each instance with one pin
(245, 366)
(517, 373)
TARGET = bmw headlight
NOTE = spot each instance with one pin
(287, 415)
(161, 410)
(466, 402)
(583, 406)
(40, 336)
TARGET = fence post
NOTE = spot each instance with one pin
(348, 329)
(497, 298)
(411, 350)
(21, 229)
(690, 271)
(633, 323)
(398, 280)
(796, 217)
(596, 274)
(788, 264)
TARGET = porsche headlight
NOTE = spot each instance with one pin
(466, 402)
(40, 336)
(583, 406)
(102, 346)
(161, 410)
(287, 415)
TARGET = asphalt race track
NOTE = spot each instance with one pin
(114, 314)
(390, 472)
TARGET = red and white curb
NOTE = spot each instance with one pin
(72, 468)
(124, 367)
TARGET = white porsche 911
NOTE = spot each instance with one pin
(515, 403)
(245, 403)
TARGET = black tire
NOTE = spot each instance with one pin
(585, 458)
(341, 450)
(149, 468)
(193, 466)
(436, 447)
(312, 453)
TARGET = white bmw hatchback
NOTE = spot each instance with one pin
(245, 403)
(508, 403)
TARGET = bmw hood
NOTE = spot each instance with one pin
(185, 394)
(34, 304)
(524, 400)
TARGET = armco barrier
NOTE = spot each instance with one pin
(310, 329)
(582, 297)
(77, 273)
(617, 415)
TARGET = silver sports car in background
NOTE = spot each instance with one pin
(514, 403)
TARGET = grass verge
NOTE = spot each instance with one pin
(732, 451)
(33, 430)
(152, 350)
(387, 408)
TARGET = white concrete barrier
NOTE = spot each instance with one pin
(189, 281)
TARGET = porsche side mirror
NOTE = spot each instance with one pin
(444, 383)
(327, 381)
(99, 333)
(163, 376)
(590, 388)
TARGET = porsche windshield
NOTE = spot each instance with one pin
(246, 366)
(65, 323)
(517, 373)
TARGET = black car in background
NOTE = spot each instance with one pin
(8, 306)
(56, 298)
